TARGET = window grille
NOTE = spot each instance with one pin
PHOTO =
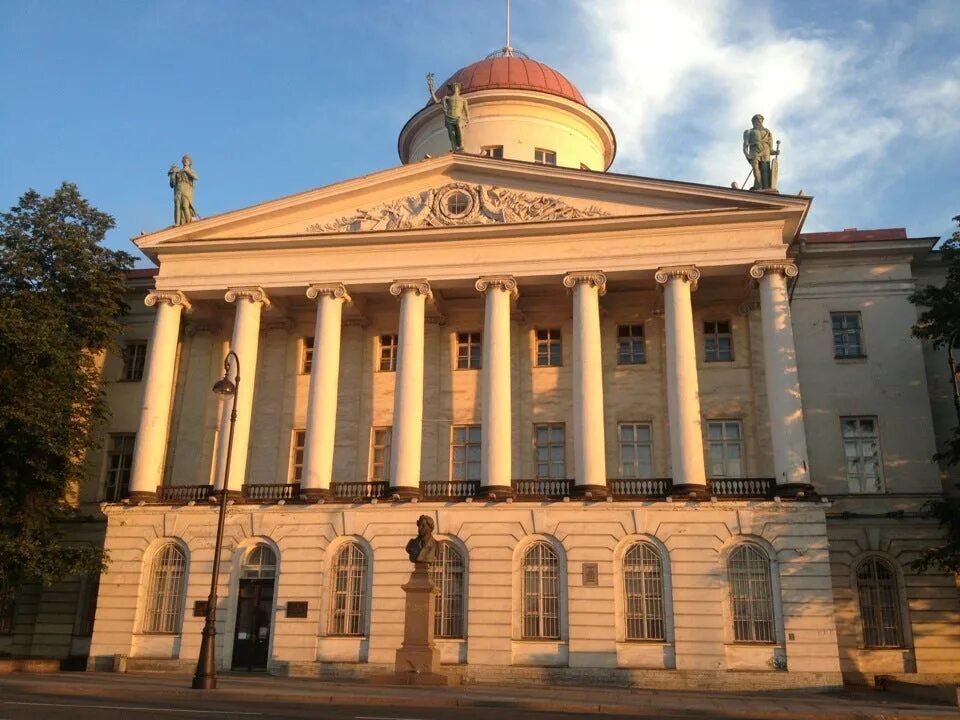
(165, 594)
(299, 442)
(389, 345)
(751, 594)
(134, 359)
(636, 450)
(544, 157)
(549, 348)
(725, 446)
(448, 577)
(306, 355)
(119, 464)
(879, 603)
(380, 440)
(541, 593)
(7, 597)
(861, 449)
(643, 593)
(465, 452)
(847, 340)
(87, 605)
(469, 351)
(349, 586)
(550, 450)
(631, 348)
(717, 341)
(260, 563)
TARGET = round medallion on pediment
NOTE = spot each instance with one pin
(456, 203)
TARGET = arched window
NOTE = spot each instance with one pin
(541, 593)
(448, 577)
(348, 604)
(259, 564)
(643, 593)
(879, 603)
(168, 576)
(751, 594)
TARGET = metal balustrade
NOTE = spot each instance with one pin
(542, 488)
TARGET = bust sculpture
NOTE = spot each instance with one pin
(423, 548)
(456, 112)
(761, 154)
(182, 181)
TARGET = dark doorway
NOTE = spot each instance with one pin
(251, 636)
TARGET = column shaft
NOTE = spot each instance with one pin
(683, 392)
(787, 433)
(322, 398)
(408, 389)
(245, 343)
(151, 443)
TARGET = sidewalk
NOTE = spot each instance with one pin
(843, 705)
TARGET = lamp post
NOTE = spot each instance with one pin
(205, 677)
(953, 342)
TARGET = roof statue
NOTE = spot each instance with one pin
(182, 180)
(762, 156)
(456, 111)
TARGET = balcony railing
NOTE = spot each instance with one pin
(753, 488)
(640, 488)
(449, 489)
(174, 494)
(271, 493)
(359, 491)
(542, 488)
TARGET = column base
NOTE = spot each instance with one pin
(690, 491)
(403, 493)
(496, 492)
(315, 494)
(590, 492)
(141, 496)
(795, 491)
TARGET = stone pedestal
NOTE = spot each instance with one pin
(418, 658)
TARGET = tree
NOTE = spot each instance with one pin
(61, 309)
(939, 324)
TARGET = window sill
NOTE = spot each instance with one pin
(852, 358)
(128, 381)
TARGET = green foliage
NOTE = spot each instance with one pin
(939, 324)
(61, 308)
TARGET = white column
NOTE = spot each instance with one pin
(324, 380)
(408, 390)
(589, 451)
(151, 443)
(246, 341)
(495, 436)
(787, 433)
(683, 391)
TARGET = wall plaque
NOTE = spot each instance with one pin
(591, 574)
(297, 609)
(200, 608)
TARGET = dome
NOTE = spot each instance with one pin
(512, 72)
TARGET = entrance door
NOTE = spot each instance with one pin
(251, 636)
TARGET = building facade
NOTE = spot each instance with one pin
(663, 435)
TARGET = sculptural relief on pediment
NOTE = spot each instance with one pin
(459, 204)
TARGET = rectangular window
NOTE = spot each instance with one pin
(299, 441)
(847, 341)
(387, 353)
(549, 440)
(86, 606)
(549, 348)
(7, 598)
(465, 452)
(134, 358)
(861, 448)
(631, 348)
(380, 454)
(492, 151)
(469, 351)
(306, 355)
(636, 450)
(717, 341)
(725, 447)
(119, 462)
(545, 157)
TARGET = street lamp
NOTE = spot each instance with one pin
(953, 342)
(205, 677)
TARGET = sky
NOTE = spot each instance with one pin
(275, 97)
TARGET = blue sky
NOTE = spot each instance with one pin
(272, 98)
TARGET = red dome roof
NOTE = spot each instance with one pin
(515, 73)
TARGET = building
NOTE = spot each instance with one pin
(663, 434)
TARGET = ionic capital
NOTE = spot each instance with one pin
(762, 267)
(253, 294)
(593, 278)
(420, 286)
(335, 290)
(507, 283)
(169, 297)
(686, 273)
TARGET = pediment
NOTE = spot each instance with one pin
(459, 190)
